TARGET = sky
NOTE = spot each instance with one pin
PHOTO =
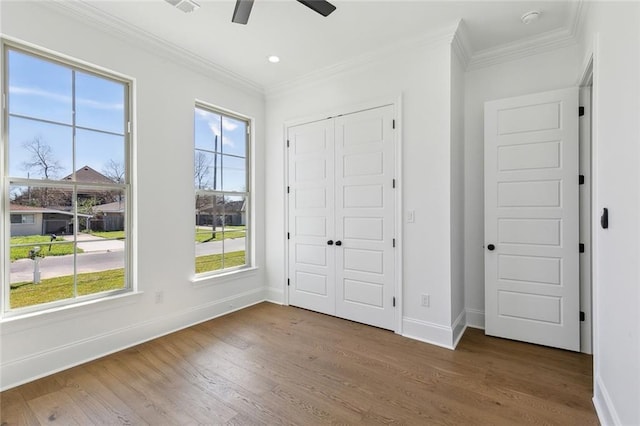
(43, 91)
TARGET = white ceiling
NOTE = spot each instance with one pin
(307, 42)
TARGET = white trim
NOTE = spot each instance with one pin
(274, 295)
(145, 40)
(396, 102)
(461, 45)
(458, 328)
(38, 365)
(475, 318)
(605, 410)
(428, 332)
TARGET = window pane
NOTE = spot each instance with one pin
(39, 150)
(234, 174)
(99, 103)
(207, 170)
(39, 88)
(209, 235)
(52, 264)
(234, 137)
(234, 231)
(207, 130)
(101, 266)
(99, 157)
(102, 213)
(42, 202)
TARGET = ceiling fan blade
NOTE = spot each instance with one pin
(323, 7)
(242, 11)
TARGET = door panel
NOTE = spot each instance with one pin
(531, 216)
(311, 194)
(365, 264)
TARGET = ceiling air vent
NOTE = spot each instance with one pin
(187, 6)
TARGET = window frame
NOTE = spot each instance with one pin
(6, 181)
(247, 194)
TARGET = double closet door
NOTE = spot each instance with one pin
(342, 216)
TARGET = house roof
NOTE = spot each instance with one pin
(20, 209)
(89, 175)
(115, 207)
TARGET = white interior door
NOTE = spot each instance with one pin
(365, 266)
(342, 216)
(311, 216)
(532, 288)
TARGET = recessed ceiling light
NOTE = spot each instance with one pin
(530, 17)
(273, 59)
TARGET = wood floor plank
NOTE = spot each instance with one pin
(271, 364)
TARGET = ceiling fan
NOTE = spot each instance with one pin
(243, 9)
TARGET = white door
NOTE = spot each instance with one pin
(532, 289)
(342, 217)
(311, 217)
(365, 266)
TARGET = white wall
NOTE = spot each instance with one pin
(612, 33)
(421, 75)
(548, 71)
(163, 230)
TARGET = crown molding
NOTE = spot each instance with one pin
(461, 45)
(442, 36)
(141, 38)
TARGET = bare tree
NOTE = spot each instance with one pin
(114, 170)
(42, 159)
(201, 166)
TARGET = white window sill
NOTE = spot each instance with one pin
(225, 277)
(15, 322)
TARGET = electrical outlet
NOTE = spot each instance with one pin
(425, 300)
(411, 216)
(159, 296)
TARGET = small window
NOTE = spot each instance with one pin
(67, 147)
(221, 181)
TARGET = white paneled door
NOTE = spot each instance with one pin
(342, 216)
(532, 288)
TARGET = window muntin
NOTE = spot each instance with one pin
(67, 151)
(221, 181)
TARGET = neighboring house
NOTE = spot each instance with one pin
(233, 212)
(108, 217)
(28, 220)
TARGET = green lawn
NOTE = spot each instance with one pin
(58, 288)
(204, 235)
(213, 262)
(118, 235)
(41, 240)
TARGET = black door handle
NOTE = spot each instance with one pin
(491, 247)
(338, 243)
(330, 242)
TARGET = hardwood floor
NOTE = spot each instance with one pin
(271, 364)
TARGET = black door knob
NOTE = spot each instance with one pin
(338, 243)
(330, 242)
(491, 247)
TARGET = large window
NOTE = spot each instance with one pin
(66, 181)
(221, 177)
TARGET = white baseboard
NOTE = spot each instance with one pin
(428, 332)
(458, 327)
(475, 318)
(602, 402)
(274, 295)
(45, 363)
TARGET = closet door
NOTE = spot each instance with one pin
(364, 216)
(311, 216)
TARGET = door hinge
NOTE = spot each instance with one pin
(580, 111)
(287, 189)
(394, 302)
(393, 124)
(393, 183)
(287, 143)
(288, 282)
(288, 236)
(582, 317)
(394, 242)
(581, 247)
(580, 179)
